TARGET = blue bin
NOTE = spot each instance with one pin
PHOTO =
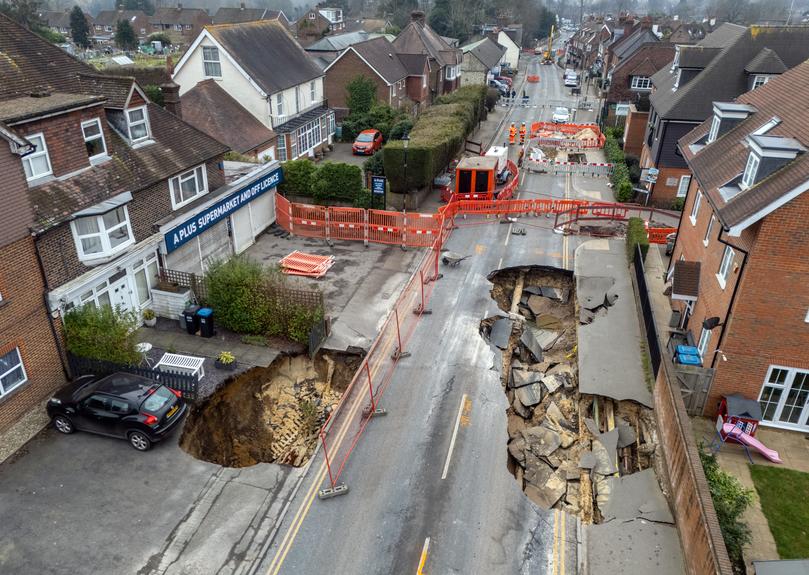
(689, 359)
(205, 322)
(687, 350)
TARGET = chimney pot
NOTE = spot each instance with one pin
(417, 16)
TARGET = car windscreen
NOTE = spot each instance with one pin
(365, 138)
(158, 400)
(561, 111)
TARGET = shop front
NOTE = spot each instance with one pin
(227, 224)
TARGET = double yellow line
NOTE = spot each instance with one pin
(559, 542)
(303, 510)
(565, 241)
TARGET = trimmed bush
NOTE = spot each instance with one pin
(677, 204)
(336, 181)
(298, 176)
(621, 178)
(636, 236)
(435, 139)
(360, 95)
(401, 128)
(236, 293)
(374, 165)
(102, 333)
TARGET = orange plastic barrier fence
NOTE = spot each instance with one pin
(346, 223)
(308, 220)
(385, 227)
(282, 212)
(422, 229)
(658, 235)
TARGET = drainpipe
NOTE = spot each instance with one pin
(732, 296)
(56, 340)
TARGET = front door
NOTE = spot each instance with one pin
(119, 293)
(784, 398)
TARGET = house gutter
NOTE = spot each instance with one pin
(732, 296)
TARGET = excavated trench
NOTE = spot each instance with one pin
(269, 414)
(562, 445)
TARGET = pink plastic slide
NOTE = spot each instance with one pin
(729, 430)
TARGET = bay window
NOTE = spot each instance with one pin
(188, 186)
(104, 235)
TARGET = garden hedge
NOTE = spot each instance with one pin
(636, 236)
(621, 182)
(436, 138)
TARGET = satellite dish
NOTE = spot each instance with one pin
(710, 323)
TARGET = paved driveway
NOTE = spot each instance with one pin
(92, 505)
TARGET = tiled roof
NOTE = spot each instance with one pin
(766, 62)
(633, 42)
(111, 17)
(419, 38)
(265, 49)
(175, 15)
(25, 107)
(115, 88)
(486, 50)
(697, 56)
(337, 42)
(723, 160)
(210, 109)
(56, 18)
(381, 56)
(230, 15)
(649, 58)
(724, 77)
(413, 63)
(177, 147)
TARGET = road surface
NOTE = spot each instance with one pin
(429, 488)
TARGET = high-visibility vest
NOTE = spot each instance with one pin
(522, 130)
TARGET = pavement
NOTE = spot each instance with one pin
(342, 153)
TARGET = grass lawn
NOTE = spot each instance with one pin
(784, 497)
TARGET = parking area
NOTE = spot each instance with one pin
(84, 503)
(342, 153)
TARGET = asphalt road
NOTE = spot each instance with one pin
(420, 501)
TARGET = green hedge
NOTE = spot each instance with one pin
(102, 333)
(621, 181)
(324, 183)
(436, 138)
(636, 235)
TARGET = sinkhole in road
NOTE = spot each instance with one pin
(269, 414)
(556, 434)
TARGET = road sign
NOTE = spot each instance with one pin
(378, 185)
(649, 175)
(621, 109)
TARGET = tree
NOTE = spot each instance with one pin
(79, 30)
(125, 37)
(398, 11)
(24, 12)
(441, 17)
(361, 95)
(145, 5)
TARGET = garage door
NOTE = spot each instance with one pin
(242, 232)
(262, 212)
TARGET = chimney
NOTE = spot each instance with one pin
(171, 98)
(179, 6)
(417, 16)
(241, 6)
(646, 23)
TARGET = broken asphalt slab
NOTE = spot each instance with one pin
(636, 547)
(609, 351)
(637, 496)
(501, 331)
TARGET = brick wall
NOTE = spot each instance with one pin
(344, 71)
(64, 138)
(24, 324)
(767, 325)
(416, 90)
(665, 189)
(16, 215)
(58, 250)
(634, 130)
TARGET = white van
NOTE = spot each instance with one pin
(571, 80)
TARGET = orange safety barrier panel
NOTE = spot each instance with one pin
(422, 229)
(308, 220)
(385, 227)
(346, 223)
(282, 212)
(658, 235)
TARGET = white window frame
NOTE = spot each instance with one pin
(19, 365)
(695, 208)
(714, 131)
(281, 148)
(704, 340)
(725, 266)
(676, 81)
(104, 235)
(26, 160)
(641, 83)
(312, 92)
(423, 81)
(145, 265)
(97, 122)
(785, 387)
(175, 185)
(682, 187)
(145, 122)
(759, 80)
(312, 15)
(750, 170)
(707, 239)
(207, 60)
(279, 105)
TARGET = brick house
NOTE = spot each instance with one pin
(318, 22)
(31, 366)
(480, 59)
(418, 76)
(743, 237)
(181, 24)
(443, 60)
(263, 68)
(59, 21)
(106, 21)
(375, 59)
(728, 62)
(241, 14)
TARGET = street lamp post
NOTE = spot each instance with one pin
(405, 143)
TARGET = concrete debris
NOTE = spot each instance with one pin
(601, 487)
(558, 294)
(587, 460)
(521, 378)
(572, 495)
(553, 382)
(541, 440)
(570, 469)
(501, 331)
(535, 303)
(626, 435)
(516, 448)
(586, 316)
(605, 449)
(592, 291)
(532, 290)
(555, 417)
(633, 548)
(637, 496)
(537, 472)
(519, 408)
(547, 321)
(516, 363)
(531, 344)
(529, 395)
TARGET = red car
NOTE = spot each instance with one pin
(367, 142)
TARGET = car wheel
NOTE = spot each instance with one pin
(139, 441)
(63, 424)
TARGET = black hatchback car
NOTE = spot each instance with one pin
(121, 405)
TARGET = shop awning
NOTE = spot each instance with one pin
(106, 206)
(685, 285)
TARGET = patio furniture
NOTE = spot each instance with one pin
(182, 364)
(143, 348)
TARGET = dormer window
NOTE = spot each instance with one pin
(714, 129)
(750, 170)
(137, 124)
(676, 62)
(94, 139)
(210, 62)
(104, 235)
(726, 116)
(760, 80)
(641, 83)
(37, 164)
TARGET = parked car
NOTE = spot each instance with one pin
(367, 142)
(504, 80)
(571, 80)
(502, 88)
(561, 115)
(122, 405)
